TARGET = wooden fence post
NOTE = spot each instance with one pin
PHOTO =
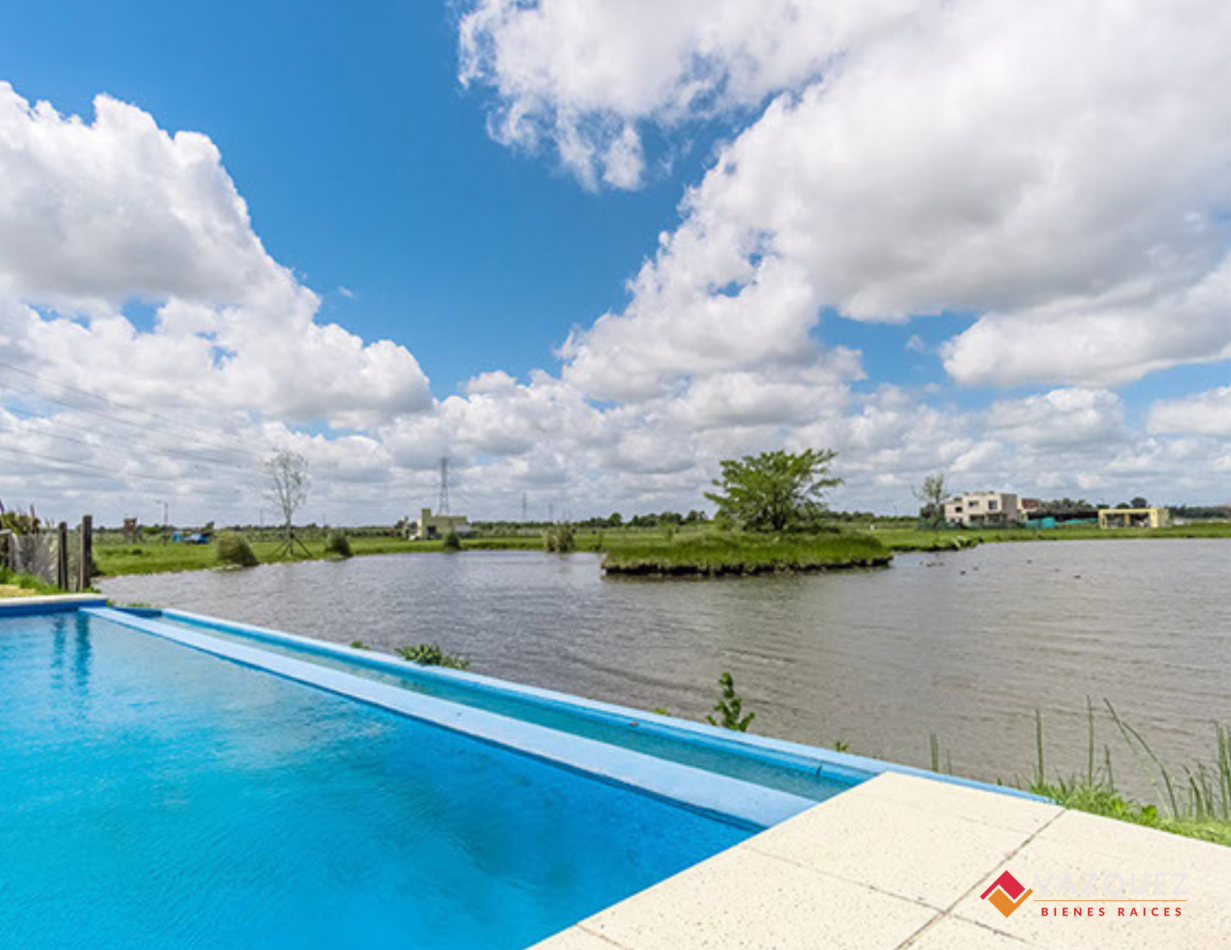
(87, 552)
(62, 556)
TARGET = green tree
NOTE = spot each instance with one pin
(933, 493)
(773, 491)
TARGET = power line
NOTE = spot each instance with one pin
(97, 470)
(196, 460)
(114, 402)
(145, 429)
(106, 417)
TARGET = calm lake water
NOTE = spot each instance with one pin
(963, 644)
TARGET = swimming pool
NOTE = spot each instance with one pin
(787, 767)
(154, 796)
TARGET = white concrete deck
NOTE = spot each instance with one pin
(26, 602)
(901, 862)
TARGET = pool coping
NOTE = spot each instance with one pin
(732, 801)
(47, 604)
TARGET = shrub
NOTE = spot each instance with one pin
(730, 708)
(337, 545)
(234, 549)
(430, 654)
(452, 542)
(559, 539)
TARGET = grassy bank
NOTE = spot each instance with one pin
(153, 557)
(23, 585)
(715, 553)
(950, 539)
(702, 550)
(1194, 801)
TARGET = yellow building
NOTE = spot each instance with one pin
(1134, 517)
(430, 527)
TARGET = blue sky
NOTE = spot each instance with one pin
(477, 181)
(364, 165)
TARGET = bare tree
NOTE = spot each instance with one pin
(933, 493)
(287, 474)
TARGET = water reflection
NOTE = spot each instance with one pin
(70, 629)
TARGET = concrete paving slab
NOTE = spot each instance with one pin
(972, 804)
(917, 854)
(949, 933)
(743, 900)
(900, 863)
(577, 939)
(1102, 889)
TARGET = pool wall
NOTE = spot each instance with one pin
(839, 767)
(744, 804)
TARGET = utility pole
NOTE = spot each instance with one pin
(165, 521)
(525, 509)
(442, 505)
(551, 513)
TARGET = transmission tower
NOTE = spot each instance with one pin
(525, 509)
(442, 504)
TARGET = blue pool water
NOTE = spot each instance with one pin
(793, 775)
(153, 796)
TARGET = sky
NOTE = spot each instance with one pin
(585, 250)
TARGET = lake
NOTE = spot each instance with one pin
(963, 644)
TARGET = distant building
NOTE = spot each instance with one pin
(1134, 517)
(985, 507)
(431, 526)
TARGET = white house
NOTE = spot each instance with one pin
(985, 507)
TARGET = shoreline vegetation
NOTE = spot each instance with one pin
(701, 551)
(1195, 804)
(715, 554)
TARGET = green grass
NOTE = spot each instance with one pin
(23, 585)
(1196, 805)
(154, 557)
(647, 550)
(713, 552)
(949, 539)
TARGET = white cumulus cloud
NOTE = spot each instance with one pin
(97, 214)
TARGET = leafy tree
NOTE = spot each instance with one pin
(933, 493)
(730, 708)
(773, 491)
(1139, 502)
